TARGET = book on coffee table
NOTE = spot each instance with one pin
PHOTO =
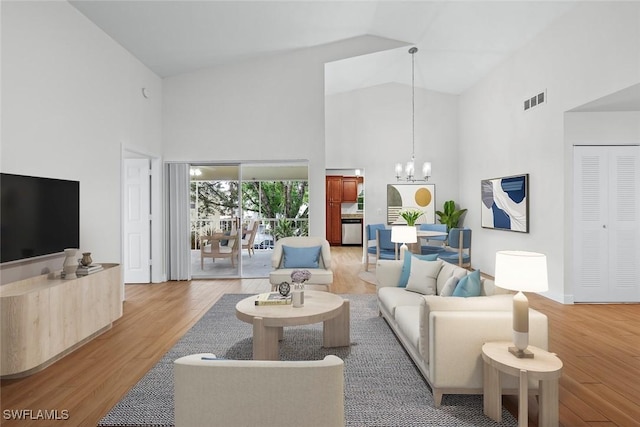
(272, 298)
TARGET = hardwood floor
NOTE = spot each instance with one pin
(599, 345)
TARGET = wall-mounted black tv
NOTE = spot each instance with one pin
(38, 216)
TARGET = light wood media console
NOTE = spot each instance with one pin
(45, 318)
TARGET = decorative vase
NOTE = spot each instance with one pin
(70, 264)
(86, 260)
(297, 295)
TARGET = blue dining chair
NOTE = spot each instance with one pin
(372, 247)
(459, 249)
(433, 249)
(386, 249)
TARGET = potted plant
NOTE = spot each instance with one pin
(411, 215)
(450, 216)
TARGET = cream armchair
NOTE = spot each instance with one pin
(258, 393)
(301, 253)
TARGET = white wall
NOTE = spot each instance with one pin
(71, 98)
(602, 128)
(266, 109)
(371, 128)
(592, 51)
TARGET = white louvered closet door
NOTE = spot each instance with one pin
(606, 224)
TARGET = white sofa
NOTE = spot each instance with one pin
(320, 275)
(234, 393)
(444, 334)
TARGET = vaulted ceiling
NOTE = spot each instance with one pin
(459, 41)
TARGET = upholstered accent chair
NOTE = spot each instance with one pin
(233, 393)
(301, 253)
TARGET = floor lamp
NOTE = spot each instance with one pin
(523, 272)
(403, 234)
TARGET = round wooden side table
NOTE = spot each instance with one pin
(544, 367)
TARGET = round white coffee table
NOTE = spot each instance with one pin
(268, 321)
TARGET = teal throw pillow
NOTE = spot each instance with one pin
(468, 286)
(307, 257)
(406, 267)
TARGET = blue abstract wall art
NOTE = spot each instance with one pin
(505, 203)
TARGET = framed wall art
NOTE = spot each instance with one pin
(505, 203)
(417, 196)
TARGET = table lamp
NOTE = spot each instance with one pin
(403, 234)
(523, 272)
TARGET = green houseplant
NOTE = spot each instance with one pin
(411, 215)
(450, 216)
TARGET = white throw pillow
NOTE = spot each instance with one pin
(422, 278)
(449, 286)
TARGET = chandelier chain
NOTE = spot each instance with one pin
(413, 105)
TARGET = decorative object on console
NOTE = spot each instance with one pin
(89, 269)
(406, 196)
(505, 203)
(409, 169)
(86, 260)
(450, 216)
(70, 265)
(403, 234)
(523, 272)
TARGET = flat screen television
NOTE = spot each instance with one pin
(38, 216)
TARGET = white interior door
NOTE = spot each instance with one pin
(137, 221)
(606, 224)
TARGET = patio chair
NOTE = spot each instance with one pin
(211, 246)
(250, 236)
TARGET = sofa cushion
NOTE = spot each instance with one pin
(301, 257)
(423, 276)
(391, 297)
(449, 287)
(406, 266)
(447, 271)
(468, 286)
(408, 319)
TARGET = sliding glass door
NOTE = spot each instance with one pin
(239, 211)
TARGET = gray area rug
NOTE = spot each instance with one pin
(382, 385)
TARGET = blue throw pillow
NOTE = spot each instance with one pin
(468, 286)
(406, 267)
(307, 257)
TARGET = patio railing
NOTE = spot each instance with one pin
(268, 231)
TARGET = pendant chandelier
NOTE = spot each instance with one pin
(409, 168)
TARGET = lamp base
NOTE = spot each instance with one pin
(521, 354)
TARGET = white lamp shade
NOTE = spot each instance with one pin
(403, 234)
(521, 271)
(426, 169)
